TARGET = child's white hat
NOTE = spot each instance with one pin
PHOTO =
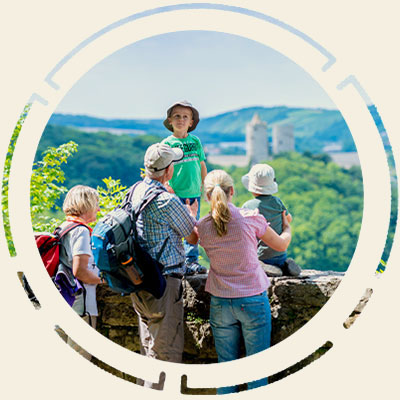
(183, 103)
(260, 179)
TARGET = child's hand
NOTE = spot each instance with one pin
(192, 208)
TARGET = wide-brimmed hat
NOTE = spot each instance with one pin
(160, 156)
(260, 179)
(183, 103)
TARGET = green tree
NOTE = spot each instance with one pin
(326, 203)
(100, 155)
(47, 185)
(110, 196)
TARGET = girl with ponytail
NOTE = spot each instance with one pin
(236, 281)
(218, 189)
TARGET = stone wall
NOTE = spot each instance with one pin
(294, 301)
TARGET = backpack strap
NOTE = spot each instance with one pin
(147, 199)
(60, 233)
(128, 197)
(85, 312)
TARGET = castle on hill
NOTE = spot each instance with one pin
(258, 147)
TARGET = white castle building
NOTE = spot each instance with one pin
(257, 145)
(282, 138)
(256, 140)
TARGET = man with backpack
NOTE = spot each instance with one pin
(161, 227)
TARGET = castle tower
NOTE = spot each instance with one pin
(256, 140)
(282, 138)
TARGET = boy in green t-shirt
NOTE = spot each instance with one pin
(189, 173)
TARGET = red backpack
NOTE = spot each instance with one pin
(48, 245)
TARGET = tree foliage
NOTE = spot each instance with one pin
(46, 189)
(100, 155)
(325, 200)
(47, 185)
(110, 196)
(326, 203)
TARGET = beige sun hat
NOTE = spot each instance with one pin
(160, 156)
(183, 103)
(260, 179)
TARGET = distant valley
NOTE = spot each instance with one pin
(115, 147)
(314, 129)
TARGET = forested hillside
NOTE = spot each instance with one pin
(313, 128)
(326, 203)
(99, 156)
(325, 200)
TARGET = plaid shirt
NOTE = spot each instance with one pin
(164, 217)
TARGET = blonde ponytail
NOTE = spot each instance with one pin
(217, 186)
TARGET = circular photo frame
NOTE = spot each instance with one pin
(344, 90)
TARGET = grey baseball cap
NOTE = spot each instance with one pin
(160, 156)
(183, 103)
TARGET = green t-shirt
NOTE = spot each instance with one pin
(186, 180)
(271, 208)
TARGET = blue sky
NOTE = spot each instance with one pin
(217, 72)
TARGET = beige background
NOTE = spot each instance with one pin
(34, 38)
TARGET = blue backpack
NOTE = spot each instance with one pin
(122, 262)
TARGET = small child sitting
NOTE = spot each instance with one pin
(261, 182)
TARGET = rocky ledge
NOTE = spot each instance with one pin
(294, 301)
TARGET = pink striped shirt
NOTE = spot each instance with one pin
(234, 267)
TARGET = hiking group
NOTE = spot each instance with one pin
(244, 246)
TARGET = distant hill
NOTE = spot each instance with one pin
(314, 128)
(151, 126)
(325, 200)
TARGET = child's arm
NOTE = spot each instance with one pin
(203, 172)
(82, 272)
